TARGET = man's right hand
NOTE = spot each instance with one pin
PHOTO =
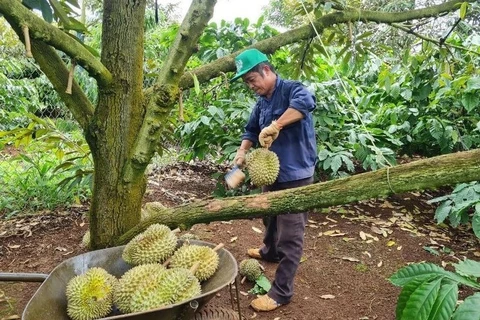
(240, 158)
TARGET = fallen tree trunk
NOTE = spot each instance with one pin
(414, 176)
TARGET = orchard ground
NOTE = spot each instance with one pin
(350, 251)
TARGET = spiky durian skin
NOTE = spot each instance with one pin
(187, 255)
(133, 281)
(250, 268)
(90, 295)
(148, 288)
(155, 244)
(263, 166)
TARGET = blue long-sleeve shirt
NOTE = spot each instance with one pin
(296, 145)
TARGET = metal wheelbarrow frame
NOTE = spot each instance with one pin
(49, 301)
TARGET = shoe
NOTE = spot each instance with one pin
(264, 303)
(254, 253)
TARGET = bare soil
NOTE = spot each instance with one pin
(350, 251)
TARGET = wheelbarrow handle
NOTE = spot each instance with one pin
(23, 277)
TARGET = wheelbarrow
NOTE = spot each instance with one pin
(49, 301)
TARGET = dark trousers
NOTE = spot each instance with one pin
(284, 244)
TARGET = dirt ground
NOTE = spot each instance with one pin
(349, 251)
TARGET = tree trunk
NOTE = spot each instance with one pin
(116, 201)
(419, 175)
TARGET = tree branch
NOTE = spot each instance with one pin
(160, 99)
(435, 41)
(56, 71)
(270, 45)
(54, 68)
(419, 175)
(18, 15)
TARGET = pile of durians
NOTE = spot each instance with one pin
(161, 275)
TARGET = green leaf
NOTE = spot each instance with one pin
(410, 272)
(196, 84)
(263, 282)
(443, 211)
(468, 268)
(470, 101)
(476, 220)
(47, 13)
(418, 298)
(59, 12)
(463, 10)
(473, 83)
(336, 163)
(445, 303)
(469, 309)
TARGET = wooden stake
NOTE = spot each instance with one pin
(70, 77)
(28, 46)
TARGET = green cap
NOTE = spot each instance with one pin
(247, 60)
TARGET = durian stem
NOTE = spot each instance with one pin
(166, 263)
(195, 267)
(218, 247)
(176, 230)
(243, 279)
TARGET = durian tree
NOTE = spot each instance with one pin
(124, 127)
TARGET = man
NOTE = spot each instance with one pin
(281, 121)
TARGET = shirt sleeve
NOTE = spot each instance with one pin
(252, 128)
(301, 99)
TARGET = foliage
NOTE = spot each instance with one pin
(30, 183)
(262, 286)
(431, 292)
(57, 158)
(458, 206)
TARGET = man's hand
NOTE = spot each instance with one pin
(268, 134)
(240, 158)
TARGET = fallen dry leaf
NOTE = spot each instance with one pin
(380, 264)
(233, 239)
(14, 246)
(350, 259)
(363, 236)
(257, 230)
(327, 296)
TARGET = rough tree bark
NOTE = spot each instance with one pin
(415, 176)
(124, 127)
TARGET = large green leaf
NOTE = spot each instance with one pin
(418, 298)
(445, 302)
(476, 220)
(420, 270)
(469, 309)
(468, 268)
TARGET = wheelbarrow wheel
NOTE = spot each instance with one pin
(216, 313)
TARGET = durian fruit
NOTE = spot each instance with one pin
(132, 283)
(250, 268)
(147, 287)
(263, 166)
(187, 255)
(155, 244)
(90, 295)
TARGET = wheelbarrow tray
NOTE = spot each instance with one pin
(49, 301)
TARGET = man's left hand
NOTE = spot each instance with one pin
(268, 134)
